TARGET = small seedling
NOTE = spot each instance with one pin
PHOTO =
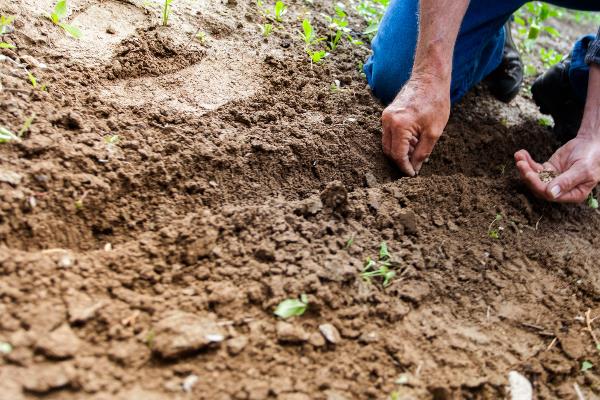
(292, 307)
(586, 365)
(150, 338)
(6, 24)
(79, 204)
(201, 37)
(6, 27)
(349, 242)
(266, 29)
(58, 15)
(7, 136)
(26, 125)
(494, 229)
(544, 121)
(592, 202)
(166, 12)
(310, 39)
(382, 268)
(279, 10)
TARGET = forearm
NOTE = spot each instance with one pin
(590, 125)
(439, 24)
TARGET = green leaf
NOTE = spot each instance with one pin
(26, 125)
(317, 56)
(592, 202)
(384, 253)
(60, 10)
(291, 308)
(71, 30)
(552, 31)
(7, 136)
(586, 365)
(4, 45)
(280, 9)
(371, 29)
(32, 79)
(308, 35)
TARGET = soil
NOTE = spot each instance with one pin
(149, 266)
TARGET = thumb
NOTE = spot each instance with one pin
(566, 182)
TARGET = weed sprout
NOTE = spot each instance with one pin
(59, 14)
(166, 12)
(279, 10)
(292, 307)
(495, 229)
(310, 39)
(382, 268)
(266, 29)
(6, 27)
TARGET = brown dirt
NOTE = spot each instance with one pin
(132, 269)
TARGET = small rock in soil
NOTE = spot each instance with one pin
(10, 177)
(44, 378)
(289, 333)
(60, 343)
(316, 339)
(330, 333)
(408, 219)
(520, 387)
(179, 333)
(369, 337)
(334, 195)
(236, 345)
(370, 180)
(189, 382)
(81, 308)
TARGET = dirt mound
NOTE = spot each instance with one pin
(171, 192)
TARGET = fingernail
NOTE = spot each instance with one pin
(555, 191)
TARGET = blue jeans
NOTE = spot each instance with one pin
(477, 53)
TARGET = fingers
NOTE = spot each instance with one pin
(569, 187)
(531, 178)
(400, 154)
(523, 155)
(398, 143)
(423, 150)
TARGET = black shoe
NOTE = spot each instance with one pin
(553, 94)
(506, 80)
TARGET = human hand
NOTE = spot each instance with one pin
(577, 169)
(414, 121)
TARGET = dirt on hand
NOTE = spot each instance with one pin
(172, 191)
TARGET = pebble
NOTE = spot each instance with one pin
(289, 333)
(11, 177)
(316, 339)
(180, 332)
(370, 180)
(44, 378)
(82, 308)
(330, 333)
(520, 387)
(189, 382)
(236, 345)
(60, 343)
(369, 337)
(66, 261)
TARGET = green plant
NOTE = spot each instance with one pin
(372, 11)
(7, 136)
(6, 27)
(58, 15)
(383, 267)
(166, 12)
(292, 307)
(350, 240)
(338, 26)
(5, 348)
(531, 21)
(34, 82)
(266, 29)
(592, 202)
(310, 40)
(279, 10)
(201, 37)
(26, 125)
(544, 121)
(586, 365)
(495, 229)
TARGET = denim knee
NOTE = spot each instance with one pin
(386, 76)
